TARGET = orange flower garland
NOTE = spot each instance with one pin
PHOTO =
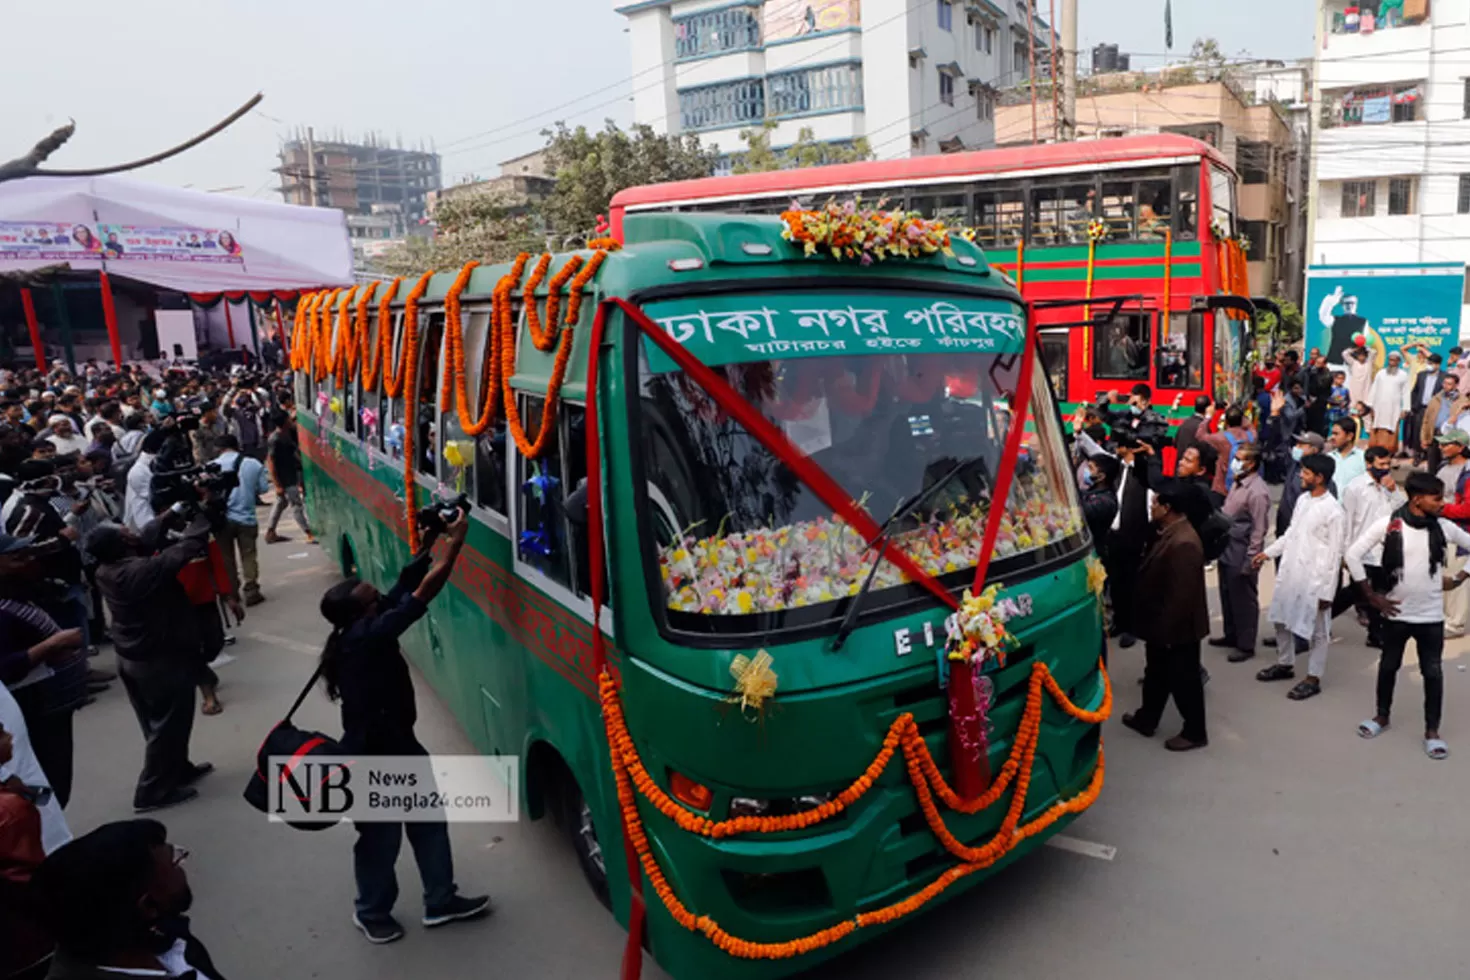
(544, 340)
(604, 244)
(357, 340)
(574, 300)
(629, 772)
(382, 349)
(346, 338)
(393, 383)
(454, 337)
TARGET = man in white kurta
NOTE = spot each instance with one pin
(1359, 376)
(1306, 582)
(1389, 400)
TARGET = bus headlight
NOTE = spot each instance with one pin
(747, 806)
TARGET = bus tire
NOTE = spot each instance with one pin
(573, 815)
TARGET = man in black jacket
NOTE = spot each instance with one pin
(154, 630)
(1188, 432)
(1130, 530)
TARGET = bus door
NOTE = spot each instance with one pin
(1231, 369)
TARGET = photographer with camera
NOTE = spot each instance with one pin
(156, 633)
(138, 497)
(363, 668)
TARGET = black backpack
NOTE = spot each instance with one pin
(1214, 534)
(287, 740)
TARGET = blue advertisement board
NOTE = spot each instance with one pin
(1383, 308)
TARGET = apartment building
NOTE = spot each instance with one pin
(1391, 136)
(909, 78)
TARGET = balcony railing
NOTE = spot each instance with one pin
(717, 32)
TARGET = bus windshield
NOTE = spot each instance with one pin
(889, 393)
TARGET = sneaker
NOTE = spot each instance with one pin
(458, 907)
(253, 598)
(271, 537)
(180, 794)
(379, 932)
(1240, 656)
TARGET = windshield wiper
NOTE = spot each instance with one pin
(904, 509)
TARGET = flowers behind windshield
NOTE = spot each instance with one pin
(814, 561)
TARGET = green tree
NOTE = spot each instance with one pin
(807, 151)
(469, 226)
(1206, 50)
(591, 167)
(1290, 327)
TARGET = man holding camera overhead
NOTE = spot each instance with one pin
(155, 631)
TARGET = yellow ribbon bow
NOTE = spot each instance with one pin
(754, 681)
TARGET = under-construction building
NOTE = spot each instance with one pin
(384, 189)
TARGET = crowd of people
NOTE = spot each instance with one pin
(1371, 519)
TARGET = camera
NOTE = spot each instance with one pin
(183, 487)
(435, 518)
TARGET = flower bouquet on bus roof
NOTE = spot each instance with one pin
(850, 231)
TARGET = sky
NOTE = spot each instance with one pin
(478, 79)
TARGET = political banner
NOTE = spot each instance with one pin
(1383, 308)
(47, 240)
(169, 244)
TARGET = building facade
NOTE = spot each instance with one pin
(384, 190)
(909, 78)
(1255, 134)
(1391, 137)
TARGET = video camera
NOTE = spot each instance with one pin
(184, 487)
(435, 518)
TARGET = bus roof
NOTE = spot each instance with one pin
(939, 168)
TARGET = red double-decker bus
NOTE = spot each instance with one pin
(1143, 226)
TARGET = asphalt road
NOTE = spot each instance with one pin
(1289, 848)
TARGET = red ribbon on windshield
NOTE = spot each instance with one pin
(1008, 456)
(828, 490)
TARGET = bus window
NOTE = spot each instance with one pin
(349, 408)
(574, 439)
(390, 410)
(1000, 217)
(952, 209)
(426, 442)
(1120, 350)
(1222, 200)
(1054, 347)
(1059, 215)
(541, 539)
(466, 475)
(1118, 208)
(1186, 193)
(1182, 352)
(1152, 206)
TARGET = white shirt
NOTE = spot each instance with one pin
(173, 963)
(1366, 500)
(138, 500)
(69, 444)
(23, 763)
(1389, 398)
(1311, 558)
(1419, 594)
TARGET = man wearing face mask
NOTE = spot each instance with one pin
(1248, 508)
(1306, 582)
(1369, 497)
(1454, 476)
(1307, 444)
(1099, 495)
(115, 902)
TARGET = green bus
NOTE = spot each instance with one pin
(782, 830)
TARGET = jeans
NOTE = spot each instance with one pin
(162, 694)
(244, 538)
(292, 496)
(1429, 645)
(1172, 670)
(376, 852)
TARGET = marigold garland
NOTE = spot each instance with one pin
(357, 342)
(393, 382)
(382, 347)
(345, 337)
(544, 340)
(604, 244)
(454, 335)
(628, 773)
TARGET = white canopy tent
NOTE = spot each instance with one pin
(187, 240)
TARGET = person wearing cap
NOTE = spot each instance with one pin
(1416, 541)
(1439, 414)
(115, 902)
(1342, 442)
(1306, 444)
(64, 436)
(1388, 399)
(1173, 616)
(1454, 476)
(1306, 581)
(1371, 496)
(1248, 508)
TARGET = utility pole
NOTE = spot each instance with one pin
(310, 167)
(1069, 70)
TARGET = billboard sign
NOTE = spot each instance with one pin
(795, 18)
(1383, 308)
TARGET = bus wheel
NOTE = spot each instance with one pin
(578, 824)
(349, 560)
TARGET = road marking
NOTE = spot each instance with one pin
(1086, 848)
(282, 641)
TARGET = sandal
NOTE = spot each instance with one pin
(211, 707)
(1436, 748)
(1276, 672)
(1370, 729)
(1306, 689)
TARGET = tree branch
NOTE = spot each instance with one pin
(28, 165)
